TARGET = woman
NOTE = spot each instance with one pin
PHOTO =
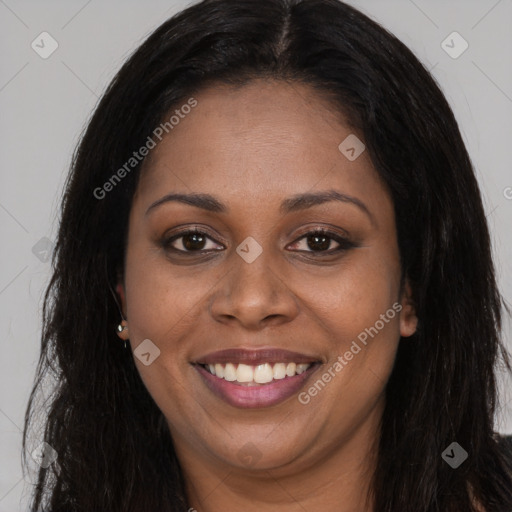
(273, 208)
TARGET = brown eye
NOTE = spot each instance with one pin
(189, 241)
(320, 241)
(193, 241)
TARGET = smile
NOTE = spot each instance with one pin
(247, 393)
(253, 375)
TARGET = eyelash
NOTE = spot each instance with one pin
(344, 243)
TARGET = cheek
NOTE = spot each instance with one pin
(361, 320)
(358, 310)
(160, 308)
(160, 296)
(352, 298)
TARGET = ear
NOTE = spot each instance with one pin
(124, 335)
(121, 294)
(408, 318)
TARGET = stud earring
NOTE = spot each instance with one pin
(122, 331)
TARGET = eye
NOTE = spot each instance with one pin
(320, 241)
(189, 241)
(197, 241)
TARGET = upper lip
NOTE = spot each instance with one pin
(255, 357)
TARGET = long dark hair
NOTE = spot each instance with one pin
(115, 452)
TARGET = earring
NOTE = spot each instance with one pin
(122, 331)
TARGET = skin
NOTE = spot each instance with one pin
(251, 148)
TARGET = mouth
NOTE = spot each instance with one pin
(255, 379)
(248, 375)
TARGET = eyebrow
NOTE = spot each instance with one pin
(292, 204)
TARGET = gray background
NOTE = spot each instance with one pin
(45, 103)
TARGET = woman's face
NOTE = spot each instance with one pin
(259, 284)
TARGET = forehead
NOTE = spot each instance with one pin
(265, 137)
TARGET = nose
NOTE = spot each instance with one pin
(254, 295)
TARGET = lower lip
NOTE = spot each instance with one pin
(249, 397)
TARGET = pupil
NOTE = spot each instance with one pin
(193, 241)
(319, 242)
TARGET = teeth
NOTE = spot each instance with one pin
(219, 370)
(301, 368)
(279, 371)
(290, 369)
(260, 374)
(230, 372)
(263, 373)
(244, 373)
